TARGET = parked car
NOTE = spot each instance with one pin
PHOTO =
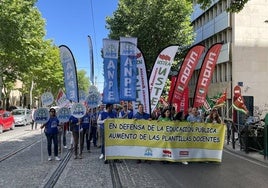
(6, 121)
(22, 116)
(11, 108)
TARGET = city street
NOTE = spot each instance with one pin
(26, 168)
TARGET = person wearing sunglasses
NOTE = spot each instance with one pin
(51, 131)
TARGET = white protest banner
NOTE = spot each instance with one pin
(160, 73)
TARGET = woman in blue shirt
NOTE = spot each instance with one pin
(51, 131)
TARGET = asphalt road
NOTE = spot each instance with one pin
(27, 169)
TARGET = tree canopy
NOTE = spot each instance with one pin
(156, 24)
(235, 5)
(24, 52)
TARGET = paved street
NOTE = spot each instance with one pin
(26, 169)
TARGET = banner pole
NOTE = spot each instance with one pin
(61, 141)
(42, 158)
(79, 142)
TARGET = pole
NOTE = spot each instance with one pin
(238, 130)
(265, 152)
(61, 141)
(79, 142)
(42, 158)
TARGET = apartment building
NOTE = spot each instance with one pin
(243, 59)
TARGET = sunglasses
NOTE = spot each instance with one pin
(52, 111)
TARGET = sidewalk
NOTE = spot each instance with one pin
(253, 155)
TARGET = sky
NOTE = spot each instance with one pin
(70, 22)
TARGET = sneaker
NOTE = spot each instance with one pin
(65, 147)
(49, 158)
(101, 156)
(57, 158)
(79, 156)
(88, 151)
(75, 157)
(185, 162)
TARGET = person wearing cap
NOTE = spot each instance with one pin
(51, 131)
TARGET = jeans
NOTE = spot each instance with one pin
(93, 135)
(64, 137)
(76, 136)
(85, 135)
(50, 138)
(59, 140)
(102, 141)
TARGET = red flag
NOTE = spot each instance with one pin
(205, 74)
(163, 102)
(186, 71)
(239, 105)
(221, 101)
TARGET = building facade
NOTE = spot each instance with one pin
(243, 59)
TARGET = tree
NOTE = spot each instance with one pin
(156, 24)
(235, 5)
(46, 76)
(21, 39)
(21, 36)
(83, 80)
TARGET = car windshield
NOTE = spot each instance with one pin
(18, 112)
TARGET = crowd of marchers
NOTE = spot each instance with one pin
(89, 129)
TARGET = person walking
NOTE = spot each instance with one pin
(99, 139)
(194, 116)
(141, 114)
(65, 129)
(165, 115)
(34, 124)
(93, 127)
(109, 113)
(125, 113)
(77, 136)
(51, 131)
(85, 123)
(213, 117)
